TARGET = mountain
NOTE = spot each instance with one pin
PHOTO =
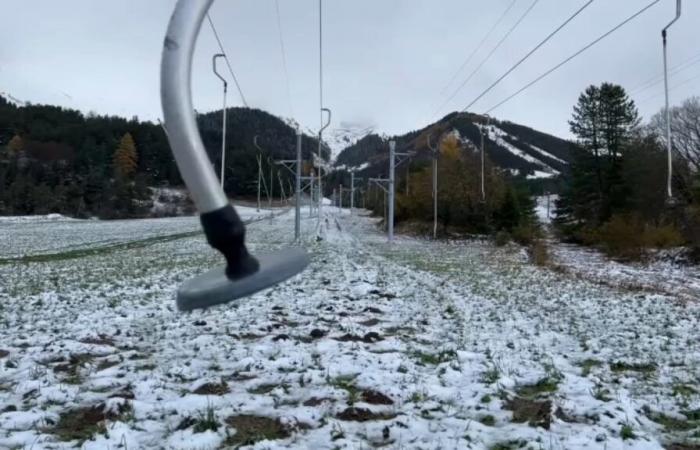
(524, 152)
(347, 134)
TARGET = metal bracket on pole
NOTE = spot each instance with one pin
(379, 182)
(320, 155)
(669, 143)
(352, 190)
(392, 174)
(297, 213)
(223, 127)
(287, 164)
(272, 183)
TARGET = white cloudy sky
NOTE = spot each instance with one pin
(386, 62)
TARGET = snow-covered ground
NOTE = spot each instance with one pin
(545, 206)
(417, 345)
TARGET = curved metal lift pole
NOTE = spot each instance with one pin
(243, 274)
(320, 168)
(223, 126)
(669, 143)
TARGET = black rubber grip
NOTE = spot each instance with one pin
(226, 232)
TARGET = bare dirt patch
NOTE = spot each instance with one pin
(251, 429)
(212, 389)
(537, 413)
(363, 415)
(375, 398)
(83, 423)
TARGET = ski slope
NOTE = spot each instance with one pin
(424, 345)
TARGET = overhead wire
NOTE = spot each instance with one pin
(548, 72)
(284, 57)
(488, 56)
(672, 88)
(320, 59)
(228, 63)
(479, 46)
(651, 82)
(530, 53)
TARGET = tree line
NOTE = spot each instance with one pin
(59, 160)
(506, 206)
(615, 197)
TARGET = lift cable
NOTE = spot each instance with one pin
(600, 38)
(530, 53)
(228, 63)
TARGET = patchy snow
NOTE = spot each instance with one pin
(34, 219)
(538, 174)
(169, 201)
(344, 167)
(547, 154)
(419, 344)
(498, 136)
(545, 206)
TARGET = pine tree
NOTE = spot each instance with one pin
(603, 121)
(125, 157)
(619, 117)
(586, 124)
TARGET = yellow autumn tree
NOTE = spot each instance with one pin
(125, 158)
(15, 145)
(459, 189)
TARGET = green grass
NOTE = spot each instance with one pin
(619, 366)
(101, 250)
(587, 365)
(626, 432)
(601, 393)
(671, 423)
(684, 390)
(491, 375)
(346, 383)
(206, 421)
(434, 359)
(509, 445)
(543, 386)
(488, 420)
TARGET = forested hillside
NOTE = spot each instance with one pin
(54, 159)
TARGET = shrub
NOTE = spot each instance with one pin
(539, 253)
(664, 236)
(691, 230)
(525, 234)
(501, 238)
(627, 237)
(622, 237)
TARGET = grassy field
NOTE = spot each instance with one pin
(416, 345)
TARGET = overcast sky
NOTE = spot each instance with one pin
(386, 62)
